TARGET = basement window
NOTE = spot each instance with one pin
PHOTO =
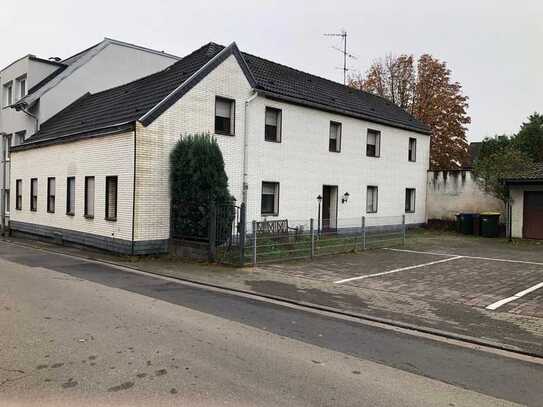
(34, 194)
(224, 116)
(111, 198)
(334, 143)
(373, 144)
(410, 200)
(270, 199)
(272, 130)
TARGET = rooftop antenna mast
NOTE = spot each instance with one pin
(343, 35)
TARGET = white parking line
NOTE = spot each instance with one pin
(397, 270)
(521, 294)
(467, 257)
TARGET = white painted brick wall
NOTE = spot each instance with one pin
(301, 162)
(98, 157)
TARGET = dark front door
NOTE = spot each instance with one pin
(533, 215)
(329, 207)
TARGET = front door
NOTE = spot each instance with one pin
(533, 215)
(329, 207)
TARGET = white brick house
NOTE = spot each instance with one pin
(273, 124)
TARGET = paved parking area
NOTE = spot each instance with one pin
(475, 273)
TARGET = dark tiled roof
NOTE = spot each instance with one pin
(129, 102)
(536, 174)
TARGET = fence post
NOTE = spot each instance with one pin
(363, 233)
(312, 231)
(254, 243)
(403, 229)
(242, 233)
(212, 233)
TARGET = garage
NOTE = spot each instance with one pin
(533, 215)
(526, 205)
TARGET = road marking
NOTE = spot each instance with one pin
(521, 294)
(467, 257)
(398, 270)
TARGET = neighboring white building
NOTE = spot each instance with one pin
(286, 137)
(33, 89)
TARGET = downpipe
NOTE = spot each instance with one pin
(246, 148)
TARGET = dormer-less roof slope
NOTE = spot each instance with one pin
(533, 176)
(146, 98)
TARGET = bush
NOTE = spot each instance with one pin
(198, 181)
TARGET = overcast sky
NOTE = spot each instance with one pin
(494, 48)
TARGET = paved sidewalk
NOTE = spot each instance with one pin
(413, 302)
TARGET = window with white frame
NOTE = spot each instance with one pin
(19, 138)
(89, 197)
(412, 154)
(19, 194)
(270, 199)
(70, 196)
(21, 87)
(373, 143)
(334, 142)
(51, 193)
(111, 198)
(372, 193)
(6, 146)
(8, 94)
(272, 130)
(224, 116)
(34, 194)
(410, 194)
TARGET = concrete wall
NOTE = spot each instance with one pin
(517, 207)
(451, 192)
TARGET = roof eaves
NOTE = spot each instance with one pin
(193, 80)
(69, 138)
(328, 108)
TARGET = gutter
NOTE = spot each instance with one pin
(134, 196)
(3, 190)
(246, 147)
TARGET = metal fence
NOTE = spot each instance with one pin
(267, 242)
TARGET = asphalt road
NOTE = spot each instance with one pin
(75, 332)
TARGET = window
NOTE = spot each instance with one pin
(19, 138)
(371, 199)
(6, 146)
(19, 194)
(410, 200)
(373, 145)
(51, 186)
(6, 200)
(34, 194)
(21, 82)
(70, 196)
(272, 125)
(224, 116)
(8, 94)
(334, 143)
(89, 197)
(270, 198)
(412, 155)
(111, 198)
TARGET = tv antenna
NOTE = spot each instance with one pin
(343, 35)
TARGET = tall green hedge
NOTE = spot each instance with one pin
(197, 181)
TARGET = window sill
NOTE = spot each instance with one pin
(412, 161)
(111, 219)
(273, 141)
(88, 217)
(48, 211)
(333, 151)
(218, 133)
(269, 214)
(373, 156)
(70, 214)
(33, 210)
(371, 213)
(409, 212)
